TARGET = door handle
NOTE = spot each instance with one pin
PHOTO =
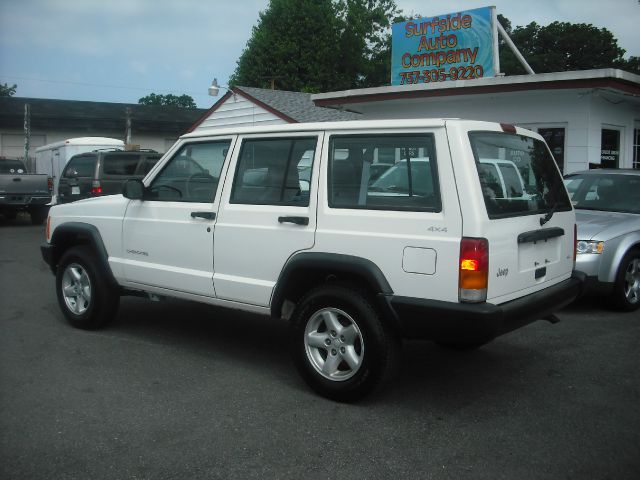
(205, 215)
(296, 220)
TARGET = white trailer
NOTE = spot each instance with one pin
(52, 158)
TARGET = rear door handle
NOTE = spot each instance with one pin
(296, 220)
(205, 215)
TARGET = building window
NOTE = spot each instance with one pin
(610, 148)
(636, 148)
(555, 139)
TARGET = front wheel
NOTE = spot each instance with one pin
(84, 295)
(626, 290)
(341, 346)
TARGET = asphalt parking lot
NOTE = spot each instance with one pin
(178, 390)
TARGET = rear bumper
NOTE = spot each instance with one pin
(467, 322)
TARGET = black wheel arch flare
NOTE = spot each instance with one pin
(308, 269)
(72, 234)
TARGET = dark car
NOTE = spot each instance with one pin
(99, 173)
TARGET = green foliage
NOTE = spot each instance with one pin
(560, 46)
(182, 101)
(318, 45)
(7, 90)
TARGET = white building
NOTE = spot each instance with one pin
(588, 117)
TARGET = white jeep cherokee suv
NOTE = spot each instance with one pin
(473, 238)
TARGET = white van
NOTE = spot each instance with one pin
(52, 158)
(297, 222)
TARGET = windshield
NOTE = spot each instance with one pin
(611, 193)
(517, 174)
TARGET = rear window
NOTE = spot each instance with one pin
(517, 174)
(11, 166)
(83, 166)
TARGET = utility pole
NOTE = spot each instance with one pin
(27, 133)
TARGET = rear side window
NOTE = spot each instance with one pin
(83, 166)
(148, 163)
(383, 172)
(517, 174)
(119, 164)
(274, 172)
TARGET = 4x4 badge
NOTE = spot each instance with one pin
(502, 272)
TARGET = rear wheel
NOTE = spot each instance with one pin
(626, 290)
(341, 346)
(38, 215)
(84, 295)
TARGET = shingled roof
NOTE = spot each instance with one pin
(292, 107)
(90, 117)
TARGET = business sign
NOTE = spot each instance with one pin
(455, 46)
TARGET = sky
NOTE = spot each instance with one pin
(122, 50)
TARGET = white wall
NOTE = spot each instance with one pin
(581, 112)
(237, 111)
(158, 143)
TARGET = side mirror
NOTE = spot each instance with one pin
(133, 189)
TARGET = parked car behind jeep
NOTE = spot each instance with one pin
(102, 172)
(23, 192)
(607, 204)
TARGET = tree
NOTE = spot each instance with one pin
(318, 45)
(182, 101)
(560, 46)
(295, 45)
(7, 91)
(365, 41)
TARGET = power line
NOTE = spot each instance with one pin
(98, 85)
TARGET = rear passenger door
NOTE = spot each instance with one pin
(267, 213)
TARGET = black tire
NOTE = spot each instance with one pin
(38, 215)
(86, 298)
(347, 362)
(626, 289)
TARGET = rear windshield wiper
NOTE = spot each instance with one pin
(549, 214)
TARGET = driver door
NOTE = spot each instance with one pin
(168, 236)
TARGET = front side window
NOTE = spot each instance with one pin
(83, 166)
(192, 175)
(384, 172)
(517, 175)
(274, 172)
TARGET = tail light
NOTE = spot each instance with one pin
(474, 270)
(96, 188)
(48, 230)
(50, 184)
